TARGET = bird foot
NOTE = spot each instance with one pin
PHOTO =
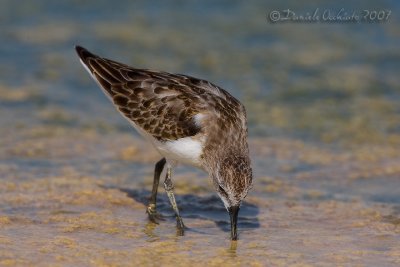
(180, 227)
(154, 216)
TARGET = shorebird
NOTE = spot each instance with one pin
(188, 120)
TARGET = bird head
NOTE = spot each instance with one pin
(232, 181)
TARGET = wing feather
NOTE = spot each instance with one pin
(165, 105)
(162, 107)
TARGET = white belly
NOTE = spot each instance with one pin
(186, 150)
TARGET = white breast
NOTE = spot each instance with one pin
(186, 150)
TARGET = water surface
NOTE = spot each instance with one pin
(323, 102)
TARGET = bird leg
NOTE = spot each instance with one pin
(151, 208)
(169, 189)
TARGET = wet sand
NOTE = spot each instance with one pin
(78, 198)
(323, 105)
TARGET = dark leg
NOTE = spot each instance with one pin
(169, 187)
(151, 208)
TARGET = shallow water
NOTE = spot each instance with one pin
(323, 102)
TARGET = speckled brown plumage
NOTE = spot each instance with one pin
(161, 103)
(176, 111)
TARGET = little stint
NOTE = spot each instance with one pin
(188, 120)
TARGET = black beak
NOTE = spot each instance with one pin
(233, 212)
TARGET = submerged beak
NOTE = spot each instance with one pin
(233, 212)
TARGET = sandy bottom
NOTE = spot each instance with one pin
(75, 181)
(78, 198)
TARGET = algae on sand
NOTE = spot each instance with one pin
(323, 108)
